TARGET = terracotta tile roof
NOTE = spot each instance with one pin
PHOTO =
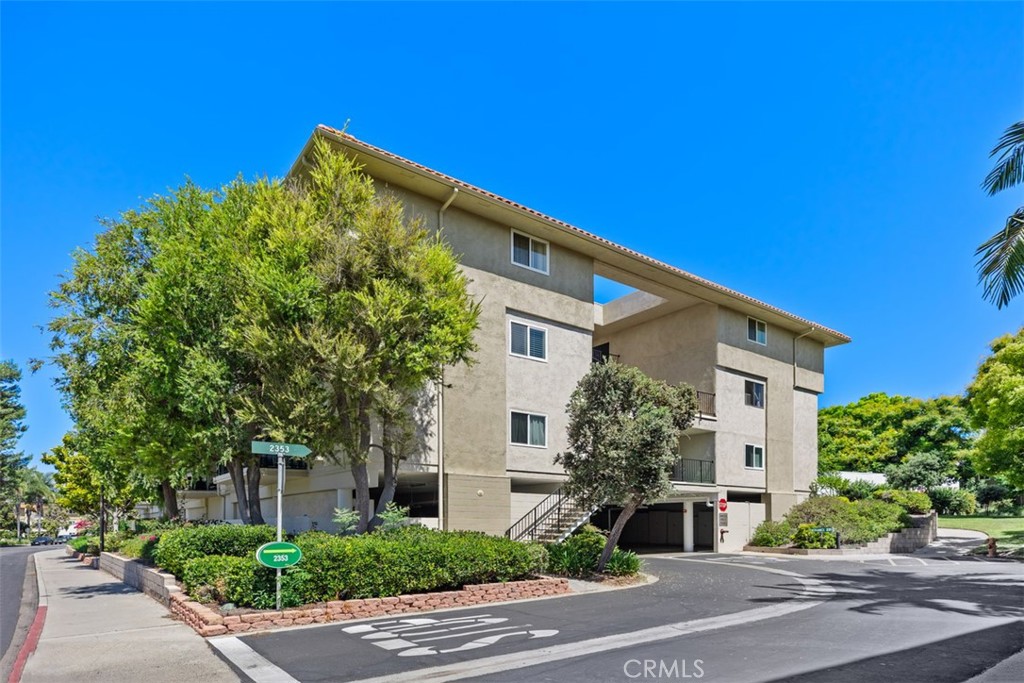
(462, 185)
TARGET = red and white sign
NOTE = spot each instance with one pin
(723, 504)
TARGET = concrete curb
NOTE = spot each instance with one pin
(34, 631)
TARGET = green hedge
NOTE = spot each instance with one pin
(808, 537)
(142, 546)
(577, 555)
(949, 501)
(857, 522)
(913, 502)
(769, 534)
(178, 546)
(240, 580)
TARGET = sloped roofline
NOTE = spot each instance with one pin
(717, 292)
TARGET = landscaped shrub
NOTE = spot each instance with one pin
(771, 534)
(81, 544)
(857, 522)
(835, 485)
(808, 536)
(239, 580)
(178, 546)
(578, 554)
(623, 563)
(913, 502)
(142, 546)
(949, 501)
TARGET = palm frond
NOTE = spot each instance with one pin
(1009, 169)
(1001, 262)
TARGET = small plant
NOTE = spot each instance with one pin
(577, 555)
(808, 536)
(346, 520)
(623, 563)
(769, 534)
(392, 517)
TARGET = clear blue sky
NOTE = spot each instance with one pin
(822, 157)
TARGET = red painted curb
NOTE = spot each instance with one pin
(29, 646)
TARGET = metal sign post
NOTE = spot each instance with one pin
(280, 450)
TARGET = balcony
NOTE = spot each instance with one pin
(690, 471)
(268, 463)
(706, 405)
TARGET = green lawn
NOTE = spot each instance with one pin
(1006, 530)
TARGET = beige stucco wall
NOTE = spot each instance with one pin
(738, 425)
(678, 347)
(478, 503)
(805, 440)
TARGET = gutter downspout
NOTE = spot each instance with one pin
(440, 395)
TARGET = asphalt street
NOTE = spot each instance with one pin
(718, 618)
(13, 564)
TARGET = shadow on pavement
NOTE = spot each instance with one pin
(875, 591)
(952, 659)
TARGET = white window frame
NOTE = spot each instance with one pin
(764, 398)
(745, 447)
(512, 252)
(756, 324)
(528, 416)
(528, 326)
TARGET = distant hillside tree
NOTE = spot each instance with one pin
(12, 426)
(996, 400)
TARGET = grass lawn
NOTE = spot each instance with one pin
(1006, 530)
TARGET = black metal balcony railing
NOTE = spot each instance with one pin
(201, 485)
(694, 471)
(269, 462)
(706, 403)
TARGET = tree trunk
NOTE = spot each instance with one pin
(616, 531)
(362, 496)
(237, 470)
(387, 494)
(170, 502)
(252, 482)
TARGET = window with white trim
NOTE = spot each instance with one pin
(528, 341)
(757, 331)
(753, 393)
(529, 252)
(755, 457)
(528, 429)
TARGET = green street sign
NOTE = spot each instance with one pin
(278, 555)
(292, 450)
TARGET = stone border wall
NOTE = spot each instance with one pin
(90, 560)
(208, 622)
(923, 530)
(162, 587)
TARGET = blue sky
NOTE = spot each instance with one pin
(822, 157)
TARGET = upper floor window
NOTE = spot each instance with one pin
(527, 429)
(528, 341)
(529, 252)
(753, 393)
(754, 457)
(757, 331)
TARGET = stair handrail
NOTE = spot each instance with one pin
(528, 523)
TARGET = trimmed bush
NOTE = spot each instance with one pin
(178, 546)
(858, 522)
(913, 502)
(577, 555)
(807, 537)
(769, 534)
(142, 547)
(949, 501)
(81, 544)
(241, 580)
(623, 563)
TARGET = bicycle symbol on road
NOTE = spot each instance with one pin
(408, 636)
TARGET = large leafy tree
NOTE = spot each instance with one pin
(996, 400)
(79, 482)
(880, 430)
(349, 311)
(1001, 257)
(12, 426)
(624, 430)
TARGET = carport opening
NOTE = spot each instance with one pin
(658, 528)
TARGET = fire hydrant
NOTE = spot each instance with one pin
(991, 547)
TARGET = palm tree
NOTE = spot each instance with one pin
(1001, 258)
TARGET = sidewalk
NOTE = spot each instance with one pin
(96, 628)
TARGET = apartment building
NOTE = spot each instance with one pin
(488, 444)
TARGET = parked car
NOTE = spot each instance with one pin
(42, 540)
(62, 538)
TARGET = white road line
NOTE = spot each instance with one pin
(253, 664)
(813, 588)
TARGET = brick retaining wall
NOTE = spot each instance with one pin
(208, 622)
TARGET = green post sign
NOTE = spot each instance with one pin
(291, 450)
(278, 555)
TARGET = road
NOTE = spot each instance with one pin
(717, 618)
(13, 564)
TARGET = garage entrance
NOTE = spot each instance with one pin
(660, 527)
